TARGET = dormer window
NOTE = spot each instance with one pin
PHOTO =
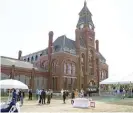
(36, 57)
(32, 58)
(57, 48)
(28, 59)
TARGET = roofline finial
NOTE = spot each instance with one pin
(85, 3)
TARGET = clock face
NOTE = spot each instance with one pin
(81, 26)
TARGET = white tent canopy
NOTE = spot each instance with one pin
(127, 79)
(121, 80)
(10, 83)
(109, 80)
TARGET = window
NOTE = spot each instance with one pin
(65, 67)
(54, 64)
(32, 58)
(28, 59)
(41, 54)
(73, 69)
(69, 69)
(36, 57)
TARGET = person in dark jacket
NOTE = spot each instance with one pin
(67, 93)
(72, 96)
(43, 96)
(64, 96)
(23, 93)
(13, 103)
(30, 94)
(14, 95)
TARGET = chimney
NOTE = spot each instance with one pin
(77, 36)
(50, 42)
(19, 54)
(97, 45)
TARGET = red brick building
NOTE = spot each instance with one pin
(66, 63)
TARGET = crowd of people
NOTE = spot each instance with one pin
(43, 96)
(121, 91)
(73, 94)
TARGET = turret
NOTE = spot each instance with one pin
(19, 54)
(50, 42)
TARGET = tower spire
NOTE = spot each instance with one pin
(85, 17)
(85, 3)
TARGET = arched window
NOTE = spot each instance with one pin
(36, 57)
(65, 68)
(91, 56)
(83, 58)
(73, 68)
(44, 65)
(69, 68)
(54, 64)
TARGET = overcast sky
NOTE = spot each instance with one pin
(24, 25)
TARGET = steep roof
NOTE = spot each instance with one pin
(63, 42)
(7, 61)
(10, 61)
(85, 17)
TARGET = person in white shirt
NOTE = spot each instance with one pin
(37, 94)
(40, 97)
(62, 92)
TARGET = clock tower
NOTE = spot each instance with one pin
(85, 18)
(85, 48)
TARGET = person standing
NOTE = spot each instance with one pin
(123, 93)
(51, 91)
(37, 94)
(72, 96)
(64, 97)
(43, 96)
(40, 96)
(14, 95)
(21, 97)
(30, 94)
(23, 93)
(62, 92)
(48, 96)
